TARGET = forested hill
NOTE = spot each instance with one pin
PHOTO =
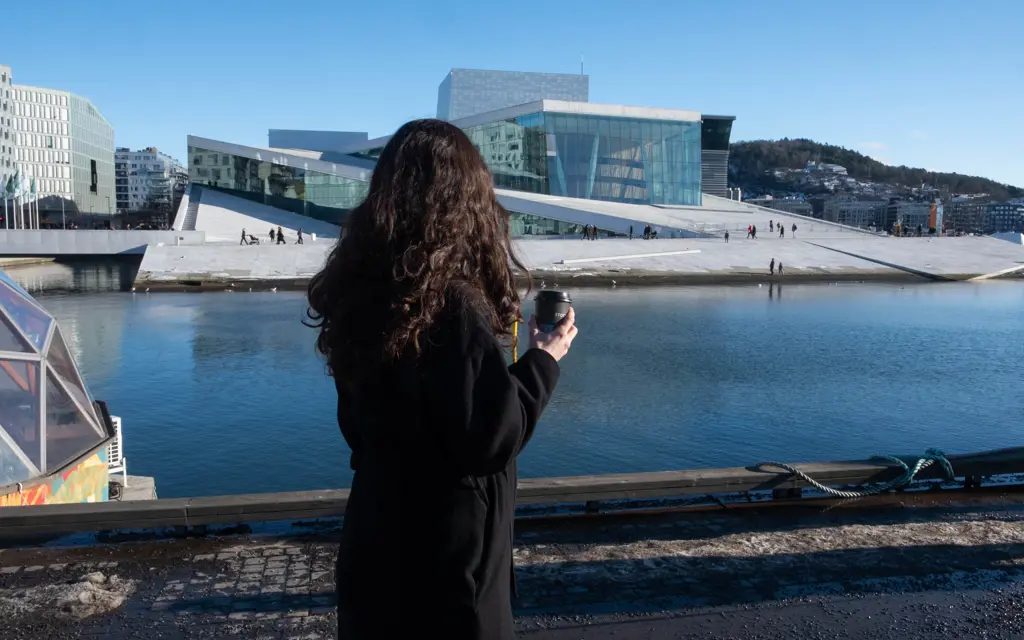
(753, 165)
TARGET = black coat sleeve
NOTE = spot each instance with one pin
(347, 422)
(486, 410)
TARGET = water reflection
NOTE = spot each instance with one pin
(76, 277)
(218, 388)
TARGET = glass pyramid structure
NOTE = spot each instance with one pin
(47, 418)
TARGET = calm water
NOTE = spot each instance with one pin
(222, 392)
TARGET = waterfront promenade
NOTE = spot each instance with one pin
(621, 261)
(912, 565)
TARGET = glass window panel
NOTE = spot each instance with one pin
(12, 467)
(32, 320)
(19, 406)
(60, 360)
(68, 432)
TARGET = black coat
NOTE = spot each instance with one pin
(427, 538)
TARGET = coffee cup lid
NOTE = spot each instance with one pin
(549, 294)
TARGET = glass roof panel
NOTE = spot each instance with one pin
(69, 433)
(58, 357)
(30, 318)
(10, 338)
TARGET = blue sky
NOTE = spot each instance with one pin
(931, 83)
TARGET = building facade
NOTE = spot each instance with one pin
(635, 155)
(1006, 216)
(145, 179)
(468, 92)
(65, 145)
(967, 216)
(306, 186)
(908, 215)
(856, 213)
(6, 126)
(714, 154)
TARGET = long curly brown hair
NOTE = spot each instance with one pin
(430, 225)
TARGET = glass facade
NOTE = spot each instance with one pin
(595, 157)
(66, 145)
(524, 224)
(318, 195)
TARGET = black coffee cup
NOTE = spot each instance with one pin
(550, 307)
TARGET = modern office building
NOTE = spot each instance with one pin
(6, 126)
(856, 213)
(908, 215)
(714, 154)
(967, 216)
(468, 92)
(1006, 216)
(66, 145)
(323, 141)
(145, 179)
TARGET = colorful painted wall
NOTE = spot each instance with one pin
(88, 481)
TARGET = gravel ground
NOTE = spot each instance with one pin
(913, 569)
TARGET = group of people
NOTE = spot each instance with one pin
(275, 234)
(771, 267)
(589, 232)
(781, 227)
(752, 230)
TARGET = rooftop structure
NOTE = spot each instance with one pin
(714, 154)
(47, 419)
(467, 92)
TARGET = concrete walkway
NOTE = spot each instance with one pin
(739, 572)
(686, 260)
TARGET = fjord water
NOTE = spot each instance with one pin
(223, 393)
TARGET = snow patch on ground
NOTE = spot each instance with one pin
(788, 543)
(94, 594)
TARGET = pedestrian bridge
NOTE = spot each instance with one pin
(54, 243)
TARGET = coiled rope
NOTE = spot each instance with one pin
(930, 457)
